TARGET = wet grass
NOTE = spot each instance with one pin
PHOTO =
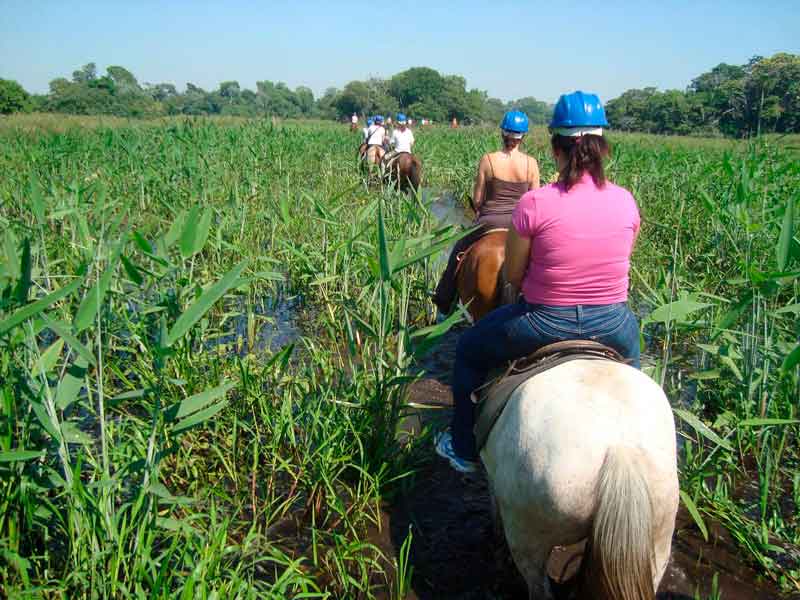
(152, 443)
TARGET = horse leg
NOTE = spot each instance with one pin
(530, 556)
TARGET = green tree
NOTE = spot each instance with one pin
(538, 112)
(354, 98)
(418, 84)
(85, 74)
(326, 104)
(124, 81)
(13, 98)
(774, 92)
(305, 100)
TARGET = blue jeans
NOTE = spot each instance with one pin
(517, 330)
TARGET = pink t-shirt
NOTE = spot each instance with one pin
(581, 243)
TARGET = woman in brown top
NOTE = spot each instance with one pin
(502, 178)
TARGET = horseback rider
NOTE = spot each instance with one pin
(502, 178)
(569, 251)
(365, 131)
(376, 133)
(401, 140)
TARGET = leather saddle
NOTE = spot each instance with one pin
(491, 398)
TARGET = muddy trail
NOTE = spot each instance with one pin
(456, 553)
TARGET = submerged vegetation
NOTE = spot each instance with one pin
(150, 445)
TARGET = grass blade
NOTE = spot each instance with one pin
(692, 508)
(383, 247)
(34, 308)
(198, 401)
(196, 311)
(785, 237)
(702, 428)
(20, 455)
(63, 331)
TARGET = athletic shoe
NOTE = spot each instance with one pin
(444, 448)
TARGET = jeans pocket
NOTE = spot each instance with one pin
(551, 327)
(607, 323)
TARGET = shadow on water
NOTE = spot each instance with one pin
(455, 552)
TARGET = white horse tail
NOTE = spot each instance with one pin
(619, 559)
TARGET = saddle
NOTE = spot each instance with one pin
(483, 233)
(491, 398)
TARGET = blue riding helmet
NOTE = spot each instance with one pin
(515, 121)
(370, 121)
(579, 109)
(378, 119)
(401, 118)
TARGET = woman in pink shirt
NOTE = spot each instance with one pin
(569, 253)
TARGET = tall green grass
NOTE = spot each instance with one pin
(140, 456)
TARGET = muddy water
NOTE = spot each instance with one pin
(266, 324)
(456, 553)
(445, 208)
(447, 211)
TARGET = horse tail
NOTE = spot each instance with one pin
(619, 559)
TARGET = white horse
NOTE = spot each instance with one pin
(587, 451)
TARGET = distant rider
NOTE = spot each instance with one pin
(502, 178)
(365, 131)
(402, 139)
(376, 136)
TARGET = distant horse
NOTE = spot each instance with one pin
(586, 451)
(403, 170)
(479, 274)
(370, 155)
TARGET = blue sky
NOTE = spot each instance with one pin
(511, 49)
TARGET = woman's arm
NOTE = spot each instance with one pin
(518, 250)
(534, 180)
(480, 184)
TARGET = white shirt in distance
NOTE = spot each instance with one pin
(402, 140)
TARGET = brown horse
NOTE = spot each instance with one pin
(404, 170)
(480, 273)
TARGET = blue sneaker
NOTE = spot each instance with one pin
(444, 448)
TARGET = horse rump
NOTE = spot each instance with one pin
(404, 170)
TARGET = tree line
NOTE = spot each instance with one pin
(420, 91)
(735, 100)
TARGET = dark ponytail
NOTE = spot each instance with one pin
(584, 154)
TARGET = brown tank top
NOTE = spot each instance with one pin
(502, 196)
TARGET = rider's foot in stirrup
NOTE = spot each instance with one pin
(444, 448)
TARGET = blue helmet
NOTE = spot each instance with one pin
(579, 109)
(370, 121)
(378, 119)
(515, 121)
(401, 118)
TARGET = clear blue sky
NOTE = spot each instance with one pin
(511, 49)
